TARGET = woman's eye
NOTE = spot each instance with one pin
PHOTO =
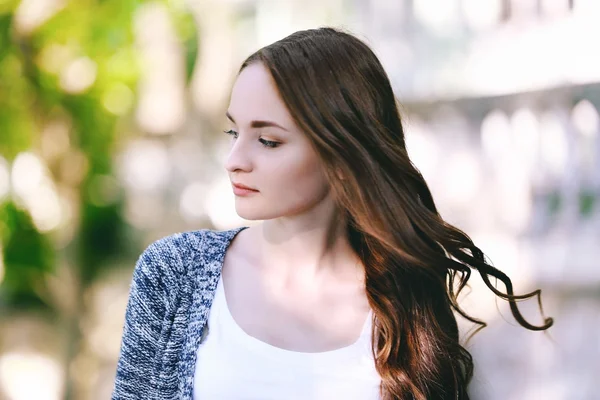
(269, 143)
(264, 142)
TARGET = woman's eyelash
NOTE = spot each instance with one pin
(269, 143)
(264, 142)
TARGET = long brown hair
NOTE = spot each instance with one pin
(416, 263)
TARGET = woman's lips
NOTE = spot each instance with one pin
(240, 190)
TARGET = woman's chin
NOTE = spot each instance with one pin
(251, 213)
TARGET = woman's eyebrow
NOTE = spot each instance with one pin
(258, 123)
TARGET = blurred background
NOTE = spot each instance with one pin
(110, 137)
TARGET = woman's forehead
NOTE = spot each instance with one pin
(255, 96)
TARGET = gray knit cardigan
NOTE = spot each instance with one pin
(172, 289)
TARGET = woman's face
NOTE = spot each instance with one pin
(269, 153)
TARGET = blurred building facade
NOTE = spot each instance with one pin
(505, 94)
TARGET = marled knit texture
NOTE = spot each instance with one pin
(172, 290)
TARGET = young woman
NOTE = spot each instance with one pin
(348, 287)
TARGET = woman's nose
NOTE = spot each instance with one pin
(238, 157)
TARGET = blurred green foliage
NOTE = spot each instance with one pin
(29, 256)
(100, 35)
(30, 97)
(33, 95)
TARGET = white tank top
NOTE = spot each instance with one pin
(232, 365)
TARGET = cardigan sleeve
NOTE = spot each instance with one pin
(144, 316)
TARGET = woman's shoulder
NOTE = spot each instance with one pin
(173, 253)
